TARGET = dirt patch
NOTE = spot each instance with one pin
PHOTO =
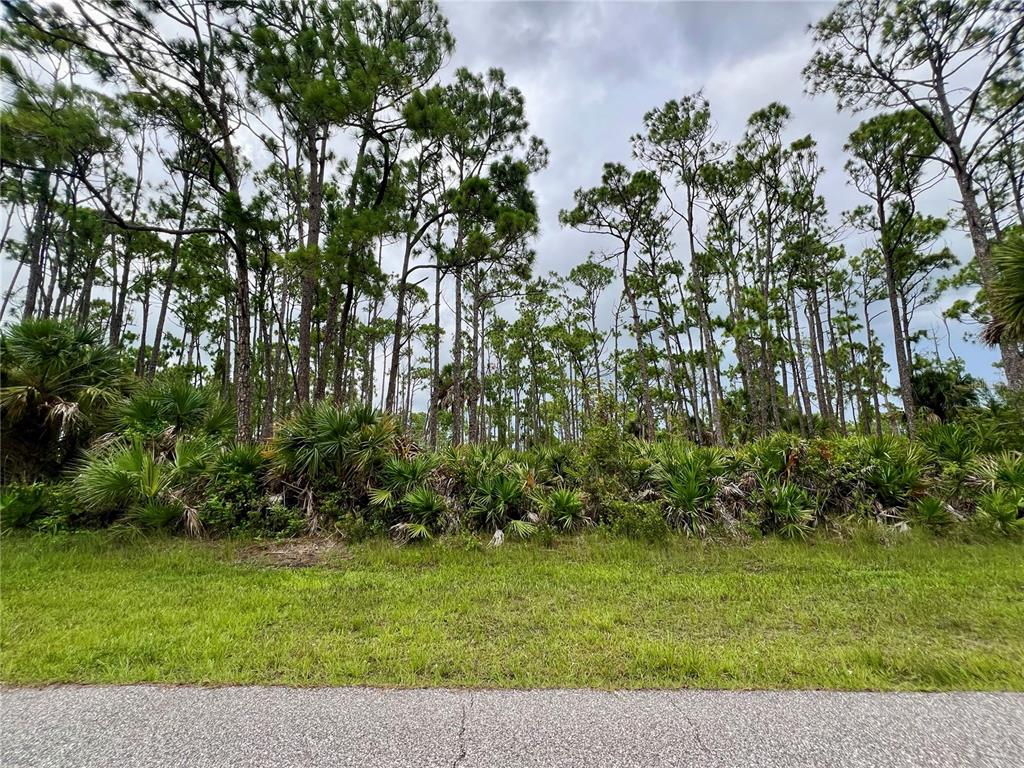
(294, 553)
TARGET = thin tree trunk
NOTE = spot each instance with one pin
(435, 361)
(457, 390)
(645, 387)
(36, 238)
(902, 364)
(172, 270)
(311, 258)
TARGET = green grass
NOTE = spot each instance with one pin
(589, 611)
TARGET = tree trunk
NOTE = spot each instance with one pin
(172, 268)
(801, 361)
(140, 360)
(311, 257)
(396, 339)
(1013, 362)
(645, 386)
(36, 238)
(457, 392)
(473, 388)
(435, 361)
(902, 364)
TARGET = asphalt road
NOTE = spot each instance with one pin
(289, 727)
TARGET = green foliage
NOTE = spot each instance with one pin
(469, 464)
(894, 469)
(132, 484)
(931, 513)
(56, 379)
(640, 521)
(500, 501)
(324, 448)
(236, 497)
(352, 526)
(21, 505)
(165, 463)
(953, 443)
(943, 391)
(607, 464)
(771, 458)
(325, 441)
(551, 464)
(562, 508)
(1008, 293)
(404, 502)
(785, 509)
(47, 507)
(397, 477)
(687, 479)
(424, 506)
(1002, 511)
(1003, 470)
(161, 412)
(999, 425)
(269, 306)
(521, 529)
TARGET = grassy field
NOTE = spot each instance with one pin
(589, 611)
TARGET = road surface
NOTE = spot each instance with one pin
(155, 726)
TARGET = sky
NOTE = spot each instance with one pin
(590, 70)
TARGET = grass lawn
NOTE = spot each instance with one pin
(589, 611)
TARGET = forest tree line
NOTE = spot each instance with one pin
(282, 200)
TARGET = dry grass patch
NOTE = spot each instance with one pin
(303, 552)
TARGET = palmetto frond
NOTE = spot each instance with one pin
(1007, 295)
(563, 509)
(57, 379)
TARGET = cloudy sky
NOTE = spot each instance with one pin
(590, 70)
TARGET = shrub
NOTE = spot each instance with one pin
(951, 443)
(20, 505)
(894, 469)
(562, 508)
(132, 484)
(236, 499)
(403, 502)
(687, 479)
(501, 501)
(353, 527)
(1002, 511)
(943, 390)
(324, 440)
(49, 507)
(637, 520)
(551, 464)
(396, 478)
(466, 466)
(424, 511)
(278, 519)
(609, 463)
(1004, 470)
(786, 510)
(57, 380)
(931, 513)
(325, 448)
(773, 457)
(171, 407)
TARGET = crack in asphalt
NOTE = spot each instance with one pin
(697, 737)
(461, 738)
(693, 728)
